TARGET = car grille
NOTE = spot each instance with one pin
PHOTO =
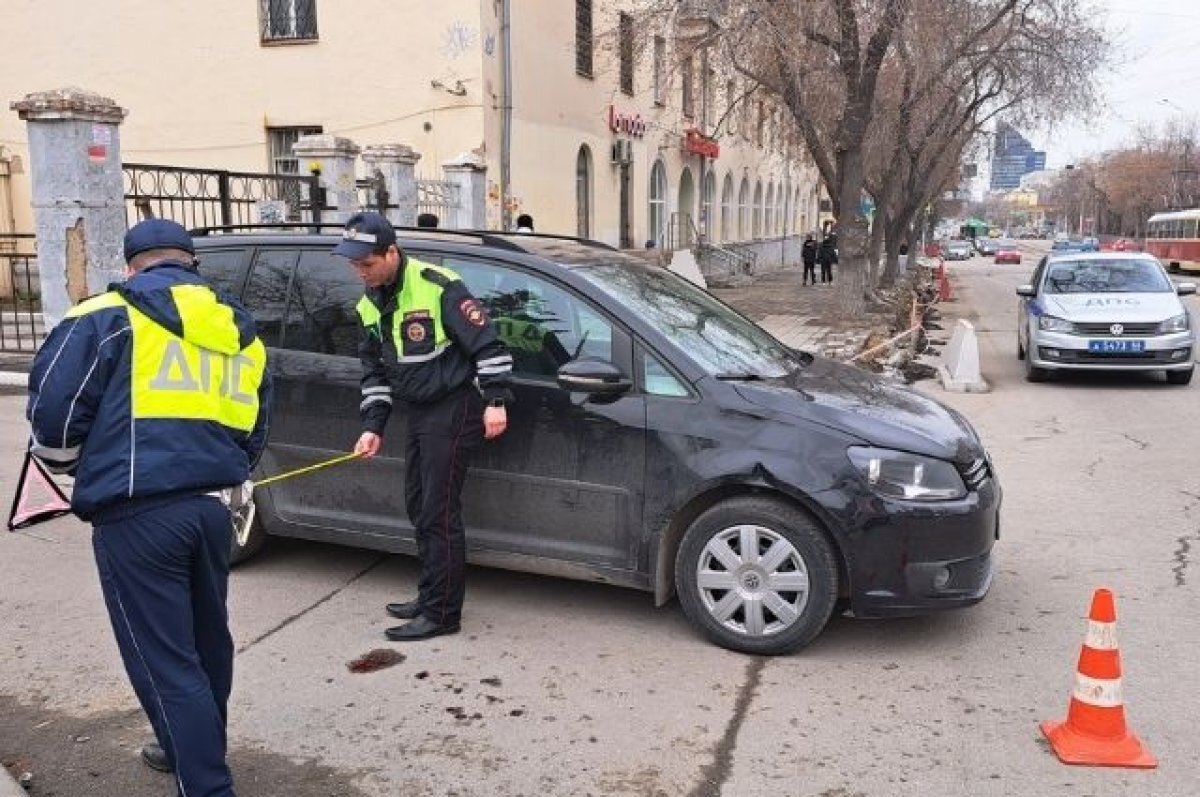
(975, 473)
(1106, 329)
(1136, 359)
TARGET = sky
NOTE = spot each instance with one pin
(1156, 77)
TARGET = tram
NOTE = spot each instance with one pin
(1174, 238)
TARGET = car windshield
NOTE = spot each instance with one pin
(1106, 276)
(716, 337)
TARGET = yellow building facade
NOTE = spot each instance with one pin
(586, 118)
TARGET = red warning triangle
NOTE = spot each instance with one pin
(38, 498)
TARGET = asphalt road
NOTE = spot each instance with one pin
(562, 688)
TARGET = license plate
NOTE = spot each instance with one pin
(1116, 345)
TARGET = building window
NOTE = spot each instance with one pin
(658, 204)
(706, 81)
(660, 64)
(730, 89)
(625, 51)
(769, 211)
(288, 20)
(744, 210)
(686, 77)
(583, 37)
(279, 147)
(583, 193)
(756, 230)
(708, 190)
(727, 209)
(746, 117)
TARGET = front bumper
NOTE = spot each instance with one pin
(1058, 350)
(907, 559)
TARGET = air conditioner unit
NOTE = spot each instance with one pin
(622, 151)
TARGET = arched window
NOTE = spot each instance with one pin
(769, 212)
(583, 192)
(727, 209)
(708, 196)
(785, 210)
(657, 231)
(744, 210)
(756, 230)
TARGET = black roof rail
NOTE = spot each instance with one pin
(507, 241)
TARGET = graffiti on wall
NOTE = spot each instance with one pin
(458, 39)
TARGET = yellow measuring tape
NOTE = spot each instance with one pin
(307, 469)
(244, 513)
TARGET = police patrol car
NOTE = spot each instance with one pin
(1116, 311)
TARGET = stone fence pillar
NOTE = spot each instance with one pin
(334, 157)
(469, 172)
(398, 165)
(78, 193)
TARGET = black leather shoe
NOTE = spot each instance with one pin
(154, 757)
(410, 610)
(420, 628)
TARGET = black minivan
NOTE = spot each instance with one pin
(659, 440)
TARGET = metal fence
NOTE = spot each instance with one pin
(21, 327)
(437, 197)
(373, 195)
(211, 197)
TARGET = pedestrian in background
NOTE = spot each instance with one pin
(427, 220)
(426, 342)
(808, 254)
(524, 223)
(826, 257)
(154, 395)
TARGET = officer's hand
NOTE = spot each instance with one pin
(495, 421)
(368, 445)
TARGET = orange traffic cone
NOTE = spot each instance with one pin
(1095, 733)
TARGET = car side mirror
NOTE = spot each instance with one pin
(1185, 288)
(596, 377)
(1027, 291)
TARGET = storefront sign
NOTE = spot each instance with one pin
(626, 124)
(697, 143)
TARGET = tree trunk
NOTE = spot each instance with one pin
(850, 278)
(878, 226)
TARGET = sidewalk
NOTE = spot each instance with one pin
(799, 315)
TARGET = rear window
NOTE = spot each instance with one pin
(224, 269)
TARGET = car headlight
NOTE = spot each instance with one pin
(1178, 323)
(1051, 323)
(899, 474)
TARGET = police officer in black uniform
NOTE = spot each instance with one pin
(426, 342)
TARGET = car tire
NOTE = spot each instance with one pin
(1033, 373)
(727, 594)
(1020, 349)
(1180, 377)
(254, 541)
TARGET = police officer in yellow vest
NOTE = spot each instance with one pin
(154, 395)
(426, 342)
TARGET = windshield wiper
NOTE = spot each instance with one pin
(740, 377)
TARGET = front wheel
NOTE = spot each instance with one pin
(1032, 372)
(756, 575)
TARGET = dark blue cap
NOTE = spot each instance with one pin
(157, 234)
(365, 234)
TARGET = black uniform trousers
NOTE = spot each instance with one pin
(165, 575)
(810, 273)
(439, 440)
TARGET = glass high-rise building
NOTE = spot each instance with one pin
(1013, 157)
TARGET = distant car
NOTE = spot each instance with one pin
(1104, 311)
(1091, 244)
(1007, 252)
(986, 246)
(958, 250)
(1066, 245)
